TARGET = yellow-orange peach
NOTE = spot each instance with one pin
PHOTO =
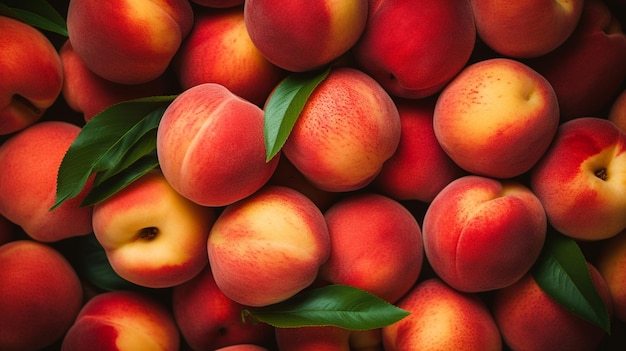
(611, 263)
(123, 320)
(41, 295)
(483, 234)
(617, 113)
(268, 247)
(210, 146)
(30, 160)
(529, 319)
(581, 179)
(32, 76)
(128, 41)
(219, 50)
(496, 118)
(442, 318)
(311, 33)
(375, 245)
(348, 128)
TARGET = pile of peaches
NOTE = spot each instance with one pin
(175, 174)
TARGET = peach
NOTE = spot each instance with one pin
(314, 338)
(89, 94)
(414, 48)
(366, 340)
(128, 41)
(268, 247)
(581, 178)
(617, 112)
(382, 255)
(496, 118)
(442, 318)
(311, 34)
(41, 295)
(348, 128)
(211, 148)
(587, 71)
(152, 235)
(611, 263)
(408, 174)
(208, 319)
(30, 160)
(523, 29)
(32, 76)
(483, 234)
(529, 319)
(123, 320)
(219, 50)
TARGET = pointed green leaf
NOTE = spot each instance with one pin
(561, 271)
(105, 141)
(334, 305)
(37, 13)
(284, 107)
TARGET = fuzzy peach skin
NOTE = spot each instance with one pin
(268, 247)
(419, 168)
(382, 255)
(32, 76)
(88, 93)
(152, 235)
(311, 33)
(315, 338)
(528, 28)
(219, 50)
(128, 41)
(483, 234)
(123, 320)
(348, 128)
(611, 263)
(496, 118)
(30, 161)
(208, 319)
(211, 148)
(617, 112)
(529, 319)
(442, 318)
(588, 70)
(582, 178)
(414, 48)
(41, 295)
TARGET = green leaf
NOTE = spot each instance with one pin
(334, 305)
(284, 107)
(109, 143)
(37, 13)
(562, 272)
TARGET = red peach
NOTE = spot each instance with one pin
(41, 295)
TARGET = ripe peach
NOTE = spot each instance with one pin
(219, 50)
(419, 168)
(208, 319)
(32, 76)
(496, 118)
(210, 146)
(529, 319)
(123, 320)
(611, 263)
(152, 235)
(311, 33)
(41, 295)
(524, 29)
(581, 179)
(483, 234)
(268, 247)
(30, 161)
(382, 255)
(348, 128)
(442, 318)
(617, 113)
(414, 48)
(128, 41)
